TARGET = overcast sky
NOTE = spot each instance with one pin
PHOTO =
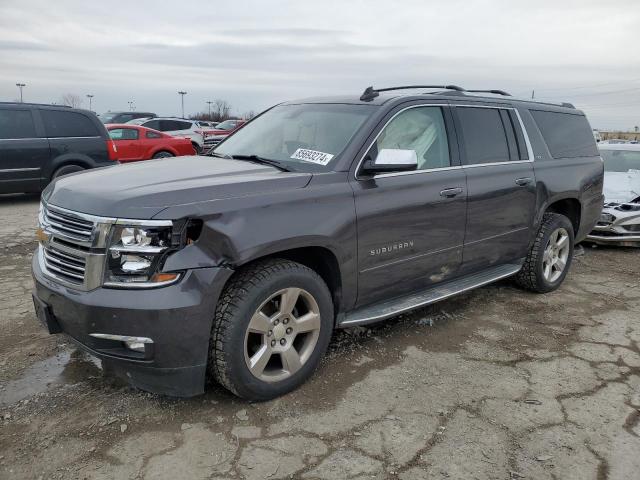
(256, 53)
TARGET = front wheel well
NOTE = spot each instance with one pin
(570, 208)
(319, 259)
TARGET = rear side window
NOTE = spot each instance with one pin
(153, 135)
(123, 134)
(484, 135)
(68, 124)
(16, 124)
(567, 135)
(154, 124)
(172, 125)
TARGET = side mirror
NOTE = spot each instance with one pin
(392, 160)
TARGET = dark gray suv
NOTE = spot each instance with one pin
(39, 143)
(318, 214)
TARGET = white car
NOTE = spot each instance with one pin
(620, 220)
(178, 127)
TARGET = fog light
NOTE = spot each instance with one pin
(135, 346)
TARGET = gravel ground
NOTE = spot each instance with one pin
(495, 384)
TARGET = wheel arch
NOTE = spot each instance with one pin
(570, 207)
(320, 259)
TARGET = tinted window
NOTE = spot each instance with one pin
(484, 137)
(68, 124)
(172, 125)
(124, 134)
(16, 124)
(566, 135)
(153, 135)
(155, 124)
(421, 130)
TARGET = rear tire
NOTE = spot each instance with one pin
(550, 255)
(272, 325)
(163, 154)
(66, 170)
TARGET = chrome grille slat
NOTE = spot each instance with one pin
(63, 264)
(65, 274)
(58, 253)
(68, 225)
(65, 229)
(52, 215)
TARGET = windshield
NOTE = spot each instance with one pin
(226, 125)
(620, 160)
(304, 137)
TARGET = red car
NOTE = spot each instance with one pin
(220, 132)
(136, 143)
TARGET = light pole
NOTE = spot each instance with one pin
(20, 85)
(130, 106)
(209, 103)
(182, 94)
(90, 97)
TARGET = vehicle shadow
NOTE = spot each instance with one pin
(18, 198)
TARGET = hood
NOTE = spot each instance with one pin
(220, 133)
(143, 189)
(621, 187)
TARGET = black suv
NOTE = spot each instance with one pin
(41, 142)
(318, 214)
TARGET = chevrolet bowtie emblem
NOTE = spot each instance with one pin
(41, 235)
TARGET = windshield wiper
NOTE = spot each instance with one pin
(261, 160)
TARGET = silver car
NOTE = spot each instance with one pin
(619, 223)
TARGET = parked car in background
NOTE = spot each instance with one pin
(124, 117)
(39, 143)
(220, 132)
(136, 143)
(178, 127)
(316, 215)
(207, 124)
(619, 222)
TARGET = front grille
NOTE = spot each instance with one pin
(212, 143)
(65, 264)
(67, 224)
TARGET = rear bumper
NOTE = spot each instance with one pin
(177, 318)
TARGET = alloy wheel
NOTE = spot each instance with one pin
(282, 334)
(556, 255)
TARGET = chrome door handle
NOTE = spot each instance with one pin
(450, 192)
(523, 181)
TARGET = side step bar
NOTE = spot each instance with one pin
(390, 308)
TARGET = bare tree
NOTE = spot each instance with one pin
(71, 100)
(249, 115)
(221, 110)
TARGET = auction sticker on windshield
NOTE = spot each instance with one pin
(312, 156)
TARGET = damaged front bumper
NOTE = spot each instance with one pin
(619, 225)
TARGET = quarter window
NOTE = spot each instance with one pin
(68, 124)
(153, 135)
(16, 124)
(567, 135)
(420, 129)
(484, 136)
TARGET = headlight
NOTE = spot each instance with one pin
(136, 254)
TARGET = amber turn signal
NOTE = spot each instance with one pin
(164, 277)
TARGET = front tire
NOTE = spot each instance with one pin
(66, 170)
(550, 255)
(197, 148)
(271, 327)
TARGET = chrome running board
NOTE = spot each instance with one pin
(390, 308)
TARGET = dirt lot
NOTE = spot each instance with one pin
(498, 383)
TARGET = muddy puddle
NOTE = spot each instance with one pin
(67, 367)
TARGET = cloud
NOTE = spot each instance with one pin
(255, 53)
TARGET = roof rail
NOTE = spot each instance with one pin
(370, 93)
(497, 92)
